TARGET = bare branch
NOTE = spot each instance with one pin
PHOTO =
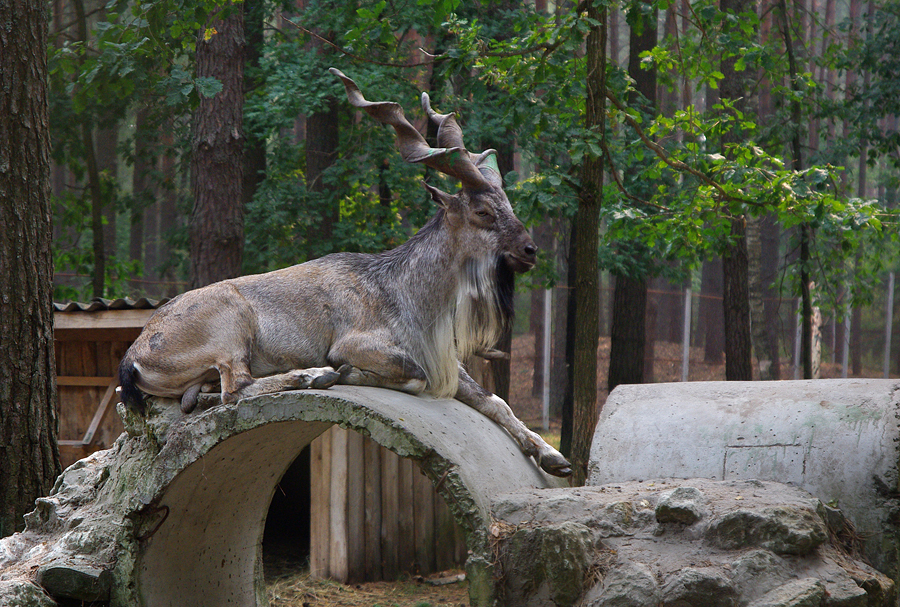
(343, 51)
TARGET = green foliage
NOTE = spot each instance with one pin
(512, 75)
(676, 187)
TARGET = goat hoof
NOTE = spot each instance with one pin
(556, 465)
(325, 380)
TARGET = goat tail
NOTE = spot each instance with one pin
(130, 395)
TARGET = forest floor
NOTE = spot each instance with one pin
(294, 588)
(289, 584)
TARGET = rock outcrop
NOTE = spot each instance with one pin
(678, 543)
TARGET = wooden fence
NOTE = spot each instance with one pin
(88, 348)
(374, 515)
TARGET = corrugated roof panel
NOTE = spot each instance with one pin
(99, 304)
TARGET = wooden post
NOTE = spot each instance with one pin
(338, 561)
(686, 336)
(888, 325)
(356, 507)
(406, 539)
(372, 454)
(423, 506)
(390, 519)
(320, 494)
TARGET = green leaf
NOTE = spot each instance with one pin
(207, 86)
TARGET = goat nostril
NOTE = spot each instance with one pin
(531, 250)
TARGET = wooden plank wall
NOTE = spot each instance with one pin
(374, 515)
(77, 404)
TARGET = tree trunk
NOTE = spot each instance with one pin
(559, 371)
(94, 190)
(769, 239)
(712, 322)
(543, 238)
(217, 220)
(321, 152)
(108, 164)
(628, 330)
(168, 216)
(757, 289)
(805, 231)
(254, 147)
(139, 189)
(29, 459)
(626, 358)
(736, 308)
(587, 271)
(734, 87)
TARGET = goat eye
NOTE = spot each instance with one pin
(482, 213)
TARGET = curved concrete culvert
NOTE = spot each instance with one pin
(174, 513)
(209, 546)
(837, 439)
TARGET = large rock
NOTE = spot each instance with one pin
(677, 543)
(837, 439)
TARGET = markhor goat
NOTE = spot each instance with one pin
(402, 319)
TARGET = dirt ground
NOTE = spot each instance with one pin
(298, 590)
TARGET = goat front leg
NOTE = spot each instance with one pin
(495, 408)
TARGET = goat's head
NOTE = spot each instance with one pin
(480, 213)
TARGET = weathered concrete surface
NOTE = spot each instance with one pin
(173, 513)
(837, 439)
(678, 543)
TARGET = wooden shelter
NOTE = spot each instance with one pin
(372, 514)
(90, 340)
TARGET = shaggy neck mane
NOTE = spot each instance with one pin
(483, 309)
(457, 320)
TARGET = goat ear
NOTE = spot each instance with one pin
(444, 200)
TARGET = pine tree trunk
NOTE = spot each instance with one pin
(139, 187)
(761, 336)
(544, 241)
(712, 322)
(217, 220)
(769, 239)
(108, 164)
(254, 148)
(628, 329)
(169, 217)
(736, 308)
(587, 289)
(734, 87)
(94, 188)
(559, 369)
(626, 357)
(29, 459)
(321, 152)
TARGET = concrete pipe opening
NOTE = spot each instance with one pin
(199, 534)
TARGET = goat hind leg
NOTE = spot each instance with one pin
(317, 378)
